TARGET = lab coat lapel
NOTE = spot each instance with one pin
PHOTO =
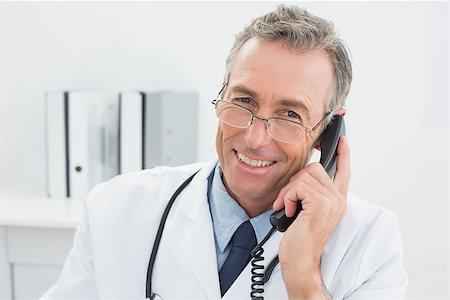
(198, 245)
(241, 288)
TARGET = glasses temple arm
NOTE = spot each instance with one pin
(320, 122)
(220, 92)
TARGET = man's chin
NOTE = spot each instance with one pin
(254, 193)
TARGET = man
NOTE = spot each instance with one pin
(286, 76)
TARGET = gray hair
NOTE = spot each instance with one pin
(297, 29)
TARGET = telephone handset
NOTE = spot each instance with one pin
(328, 146)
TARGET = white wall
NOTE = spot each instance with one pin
(397, 119)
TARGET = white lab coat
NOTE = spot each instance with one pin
(362, 260)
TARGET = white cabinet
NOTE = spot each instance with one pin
(36, 235)
(36, 257)
(31, 281)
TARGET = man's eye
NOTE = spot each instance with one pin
(244, 100)
(293, 114)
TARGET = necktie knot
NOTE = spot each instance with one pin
(244, 237)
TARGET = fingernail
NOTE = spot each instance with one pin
(275, 204)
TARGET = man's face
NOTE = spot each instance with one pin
(275, 82)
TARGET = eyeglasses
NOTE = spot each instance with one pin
(280, 129)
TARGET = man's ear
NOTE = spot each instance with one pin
(341, 111)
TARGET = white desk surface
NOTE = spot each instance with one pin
(29, 206)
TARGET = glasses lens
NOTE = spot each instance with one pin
(286, 131)
(232, 114)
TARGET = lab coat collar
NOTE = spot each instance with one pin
(197, 190)
(200, 256)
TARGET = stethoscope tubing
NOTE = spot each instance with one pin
(148, 290)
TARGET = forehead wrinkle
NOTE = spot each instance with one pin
(243, 89)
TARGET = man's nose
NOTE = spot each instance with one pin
(257, 135)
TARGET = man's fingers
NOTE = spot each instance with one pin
(279, 203)
(316, 177)
(342, 177)
(294, 194)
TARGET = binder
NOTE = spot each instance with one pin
(172, 129)
(56, 141)
(158, 128)
(80, 135)
(110, 132)
(131, 132)
(84, 139)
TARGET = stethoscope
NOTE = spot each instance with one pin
(259, 278)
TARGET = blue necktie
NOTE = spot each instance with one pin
(242, 243)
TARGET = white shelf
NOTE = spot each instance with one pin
(29, 206)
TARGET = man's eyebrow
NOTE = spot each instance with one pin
(294, 103)
(244, 90)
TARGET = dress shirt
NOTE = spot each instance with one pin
(228, 215)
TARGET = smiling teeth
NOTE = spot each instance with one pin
(253, 162)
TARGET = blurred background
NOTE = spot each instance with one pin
(397, 120)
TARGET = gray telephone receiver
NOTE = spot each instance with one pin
(328, 146)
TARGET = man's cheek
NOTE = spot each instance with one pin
(300, 157)
(306, 150)
(219, 143)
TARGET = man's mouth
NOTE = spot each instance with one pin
(253, 162)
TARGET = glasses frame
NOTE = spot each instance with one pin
(267, 120)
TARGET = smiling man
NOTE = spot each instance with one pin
(188, 232)
(275, 81)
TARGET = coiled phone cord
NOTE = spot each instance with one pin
(259, 277)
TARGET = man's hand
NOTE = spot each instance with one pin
(324, 204)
